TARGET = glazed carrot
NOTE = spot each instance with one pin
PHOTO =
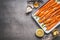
(52, 18)
(54, 14)
(48, 21)
(51, 22)
(56, 19)
(42, 12)
(45, 13)
(59, 19)
(51, 8)
(51, 26)
(46, 6)
(49, 14)
(58, 13)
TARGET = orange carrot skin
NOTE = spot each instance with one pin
(56, 12)
(52, 10)
(45, 6)
(48, 21)
(42, 12)
(51, 26)
(48, 10)
(52, 22)
(49, 14)
(52, 16)
(52, 13)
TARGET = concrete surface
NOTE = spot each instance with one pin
(14, 23)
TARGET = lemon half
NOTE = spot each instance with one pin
(39, 33)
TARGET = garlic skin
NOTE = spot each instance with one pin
(29, 9)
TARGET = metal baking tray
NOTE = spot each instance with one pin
(36, 18)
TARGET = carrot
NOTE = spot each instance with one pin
(49, 14)
(51, 22)
(42, 12)
(48, 10)
(48, 21)
(52, 16)
(45, 13)
(56, 12)
(56, 19)
(51, 26)
(59, 19)
(45, 6)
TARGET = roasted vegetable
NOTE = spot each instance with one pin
(45, 6)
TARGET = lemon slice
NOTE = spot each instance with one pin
(39, 33)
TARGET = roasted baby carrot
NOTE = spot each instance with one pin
(43, 12)
(46, 6)
(51, 22)
(48, 21)
(56, 12)
(57, 16)
(49, 14)
(48, 10)
(56, 19)
(51, 26)
(52, 16)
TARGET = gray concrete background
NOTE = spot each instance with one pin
(14, 23)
